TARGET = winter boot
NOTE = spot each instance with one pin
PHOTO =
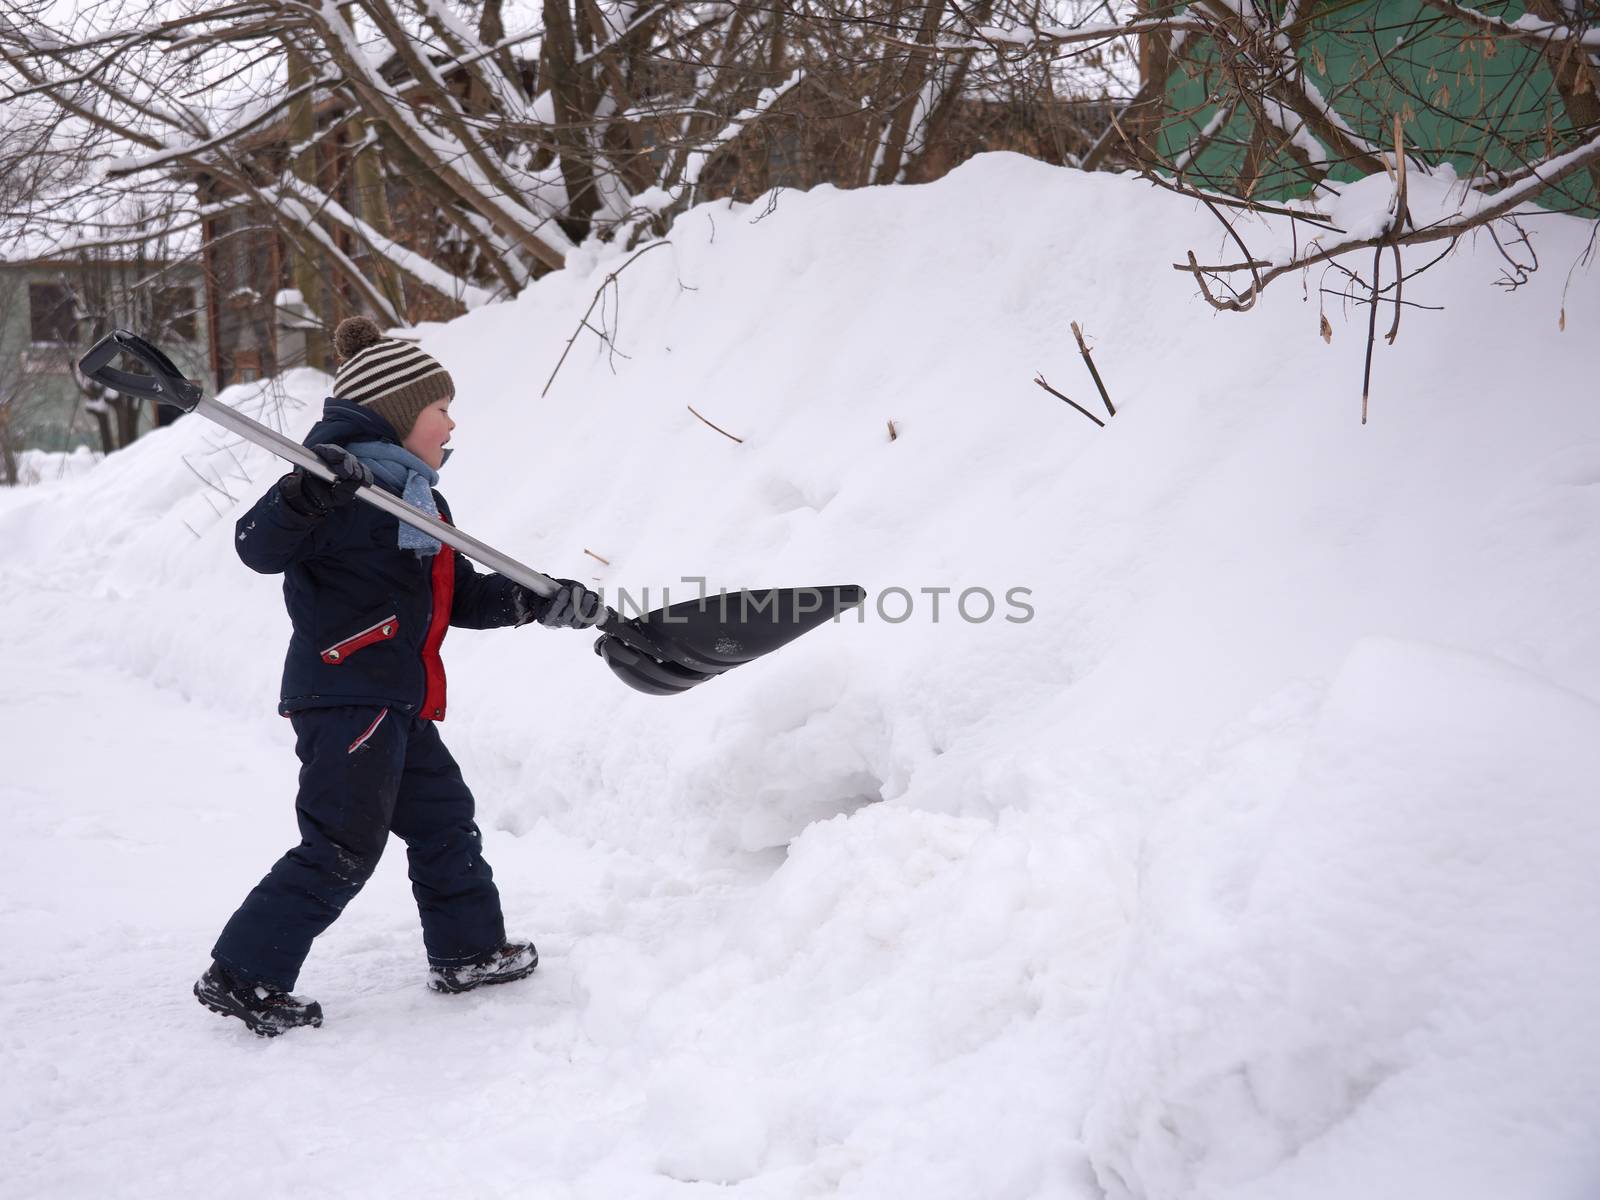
(267, 1012)
(511, 961)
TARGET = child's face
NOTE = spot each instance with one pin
(431, 431)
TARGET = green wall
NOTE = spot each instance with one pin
(49, 405)
(1462, 97)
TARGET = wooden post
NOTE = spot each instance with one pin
(373, 207)
(303, 267)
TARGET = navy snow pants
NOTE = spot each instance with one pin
(365, 772)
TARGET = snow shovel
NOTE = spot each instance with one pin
(660, 653)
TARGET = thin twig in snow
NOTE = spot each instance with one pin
(583, 322)
(207, 482)
(1344, 294)
(1401, 215)
(1399, 302)
(1083, 349)
(1390, 237)
(1372, 331)
(715, 426)
(1040, 380)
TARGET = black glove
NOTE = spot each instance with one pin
(572, 607)
(312, 496)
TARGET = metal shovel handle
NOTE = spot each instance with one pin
(167, 385)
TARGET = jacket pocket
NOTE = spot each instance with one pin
(382, 630)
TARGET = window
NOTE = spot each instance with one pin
(175, 313)
(246, 366)
(53, 314)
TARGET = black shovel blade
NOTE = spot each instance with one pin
(670, 650)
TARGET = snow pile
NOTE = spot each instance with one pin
(1250, 863)
(49, 466)
(1397, 995)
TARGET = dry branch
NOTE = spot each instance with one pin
(1083, 349)
(718, 428)
(610, 281)
(1040, 380)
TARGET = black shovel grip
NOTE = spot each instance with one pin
(164, 383)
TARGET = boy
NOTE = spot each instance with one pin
(370, 599)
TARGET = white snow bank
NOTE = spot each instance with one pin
(48, 466)
(1399, 1001)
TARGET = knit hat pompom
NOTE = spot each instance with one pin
(354, 335)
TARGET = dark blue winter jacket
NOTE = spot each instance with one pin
(368, 617)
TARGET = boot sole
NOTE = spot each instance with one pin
(259, 1028)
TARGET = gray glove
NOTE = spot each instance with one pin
(349, 472)
(573, 606)
(312, 496)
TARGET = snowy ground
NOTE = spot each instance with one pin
(1257, 864)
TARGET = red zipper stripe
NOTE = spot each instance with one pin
(444, 589)
(381, 631)
(371, 729)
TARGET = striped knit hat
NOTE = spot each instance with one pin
(394, 379)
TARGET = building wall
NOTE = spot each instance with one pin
(1376, 58)
(46, 409)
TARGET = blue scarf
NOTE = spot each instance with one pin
(402, 471)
